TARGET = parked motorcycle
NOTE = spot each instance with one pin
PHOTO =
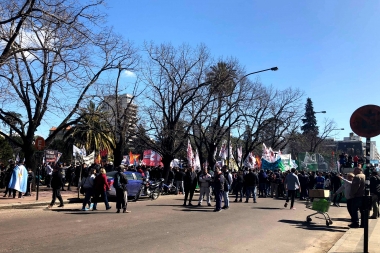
(169, 189)
(152, 189)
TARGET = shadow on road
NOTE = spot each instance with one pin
(313, 226)
(268, 208)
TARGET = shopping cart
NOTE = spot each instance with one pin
(322, 207)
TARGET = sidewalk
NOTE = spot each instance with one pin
(44, 198)
(353, 239)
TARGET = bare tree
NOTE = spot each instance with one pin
(270, 118)
(58, 54)
(175, 79)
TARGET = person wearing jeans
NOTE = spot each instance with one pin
(291, 185)
(101, 187)
(218, 189)
(251, 180)
(56, 184)
(88, 186)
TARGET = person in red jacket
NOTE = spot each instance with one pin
(101, 187)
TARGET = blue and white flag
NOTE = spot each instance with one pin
(77, 151)
(19, 179)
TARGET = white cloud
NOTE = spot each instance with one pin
(128, 73)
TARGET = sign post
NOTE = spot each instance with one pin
(365, 122)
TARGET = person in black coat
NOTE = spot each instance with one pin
(218, 183)
(56, 184)
(190, 183)
(336, 183)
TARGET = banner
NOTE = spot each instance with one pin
(89, 159)
(51, 156)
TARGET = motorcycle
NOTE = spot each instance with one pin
(152, 189)
(169, 189)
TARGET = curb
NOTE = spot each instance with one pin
(34, 204)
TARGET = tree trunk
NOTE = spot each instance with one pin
(166, 160)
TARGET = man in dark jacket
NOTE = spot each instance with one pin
(178, 178)
(120, 185)
(336, 183)
(218, 184)
(190, 185)
(251, 181)
(56, 184)
(304, 181)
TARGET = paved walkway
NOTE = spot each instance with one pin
(353, 239)
(44, 198)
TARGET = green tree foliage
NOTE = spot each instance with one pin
(6, 151)
(309, 122)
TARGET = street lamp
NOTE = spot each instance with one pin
(320, 112)
(229, 119)
(337, 129)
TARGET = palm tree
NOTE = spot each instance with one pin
(222, 78)
(92, 130)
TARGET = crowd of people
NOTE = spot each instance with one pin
(214, 184)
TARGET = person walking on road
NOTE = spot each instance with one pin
(190, 185)
(120, 185)
(291, 185)
(88, 186)
(101, 187)
(56, 184)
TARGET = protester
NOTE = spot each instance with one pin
(218, 184)
(291, 185)
(239, 186)
(19, 180)
(357, 193)
(178, 178)
(120, 185)
(320, 181)
(101, 187)
(48, 175)
(375, 191)
(251, 181)
(346, 187)
(204, 185)
(190, 185)
(29, 184)
(56, 184)
(7, 178)
(88, 186)
(227, 185)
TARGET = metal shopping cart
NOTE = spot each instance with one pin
(321, 205)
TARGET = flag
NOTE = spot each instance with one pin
(98, 159)
(215, 152)
(239, 153)
(197, 162)
(223, 151)
(59, 154)
(77, 151)
(190, 156)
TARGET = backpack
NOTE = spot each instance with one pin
(120, 181)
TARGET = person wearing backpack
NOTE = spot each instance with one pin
(120, 185)
(375, 192)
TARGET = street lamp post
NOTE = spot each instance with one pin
(229, 119)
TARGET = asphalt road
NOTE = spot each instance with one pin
(164, 225)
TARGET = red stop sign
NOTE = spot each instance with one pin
(39, 143)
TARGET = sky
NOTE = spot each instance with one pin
(328, 49)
